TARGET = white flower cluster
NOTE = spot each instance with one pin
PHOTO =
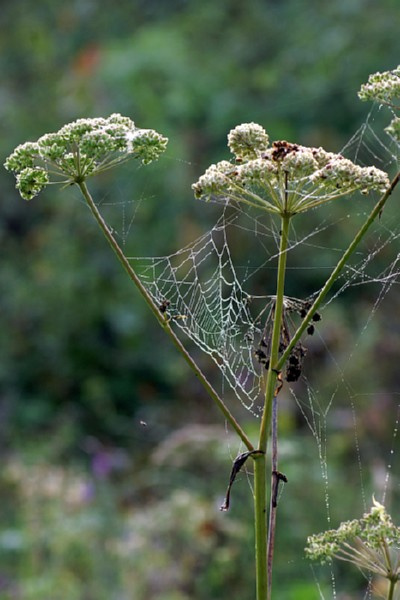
(382, 87)
(248, 141)
(81, 149)
(355, 540)
(341, 173)
(283, 178)
(216, 180)
(324, 546)
(385, 88)
(394, 129)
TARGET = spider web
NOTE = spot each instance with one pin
(205, 296)
(209, 297)
(211, 294)
(208, 303)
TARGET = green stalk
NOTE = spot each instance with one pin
(276, 335)
(260, 486)
(260, 523)
(337, 270)
(392, 585)
(162, 320)
(391, 574)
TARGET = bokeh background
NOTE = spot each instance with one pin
(114, 460)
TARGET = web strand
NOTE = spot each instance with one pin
(208, 294)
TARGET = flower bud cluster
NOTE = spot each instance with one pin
(31, 181)
(354, 541)
(283, 178)
(248, 141)
(385, 88)
(81, 149)
(378, 525)
(217, 180)
(394, 129)
(382, 87)
(341, 173)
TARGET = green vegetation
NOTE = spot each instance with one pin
(80, 367)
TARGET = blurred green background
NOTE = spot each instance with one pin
(114, 460)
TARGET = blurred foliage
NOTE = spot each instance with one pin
(82, 363)
(152, 530)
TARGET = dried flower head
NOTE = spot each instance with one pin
(79, 150)
(283, 178)
(371, 543)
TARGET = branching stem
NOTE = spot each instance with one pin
(161, 317)
(263, 571)
(337, 270)
(263, 564)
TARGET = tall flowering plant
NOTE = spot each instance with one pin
(284, 179)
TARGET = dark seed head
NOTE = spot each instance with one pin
(260, 355)
(293, 373)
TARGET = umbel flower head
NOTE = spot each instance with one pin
(382, 87)
(372, 543)
(80, 150)
(283, 178)
(394, 129)
(385, 89)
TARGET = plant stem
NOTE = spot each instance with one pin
(337, 270)
(163, 321)
(392, 585)
(391, 573)
(274, 492)
(276, 334)
(260, 490)
(260, 523)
